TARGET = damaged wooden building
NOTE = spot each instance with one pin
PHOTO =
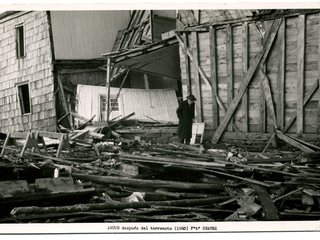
(255, 74)
(43, 52)
(254, 71)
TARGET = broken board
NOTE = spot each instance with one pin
(197, 133)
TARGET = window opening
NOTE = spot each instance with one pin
(20, 41)
(24, 98)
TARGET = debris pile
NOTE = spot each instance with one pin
(103, 177)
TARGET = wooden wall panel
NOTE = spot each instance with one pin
(291, 68)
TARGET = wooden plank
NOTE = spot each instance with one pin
(108, 87)
(187, 63)
(300, 73)
(147, 183)
(197, 79)
(268, 97)
(305, 100)
(281, 76)
(263, 113)
(245, 65)
(214, 78)
(305, 143)
(229, 56)
(260, 59)
(270, 210)
(292, 142)
(64, 102)
(262, 109)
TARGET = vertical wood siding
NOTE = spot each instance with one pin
(290, 72)
(34, 68)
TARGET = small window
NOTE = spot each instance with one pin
(20, 41)
(111, 102)
(24, 99)
(115, 102)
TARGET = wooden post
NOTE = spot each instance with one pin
(245, 65)
(281, 76)
(214, 78)
(229, 55)
(261, 58)
(120, 88)
(108, 87)
(300, 73)
(187, 63)
(268, 97)
(197, 79)
(64, 103)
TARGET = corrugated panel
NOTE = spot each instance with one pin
(89, 101)
(158, 104)
(85, 34)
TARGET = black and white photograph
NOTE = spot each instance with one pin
(146, 118)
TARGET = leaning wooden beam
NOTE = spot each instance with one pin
(248, 180)
(305, 100)
(261, 58)
(120, 88)
(103, 206)
(64, 103)
(293, 142)
(268, 97)
(288, 194)
(122, 119)
(305, 143)
(148, 183)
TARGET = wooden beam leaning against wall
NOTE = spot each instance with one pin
(260, 59)
(64, 102)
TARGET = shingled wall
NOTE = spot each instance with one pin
(35, 68)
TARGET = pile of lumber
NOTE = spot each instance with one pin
(144, 182)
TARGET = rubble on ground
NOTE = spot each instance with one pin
(137, 172)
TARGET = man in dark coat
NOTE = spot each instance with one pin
(186, 115)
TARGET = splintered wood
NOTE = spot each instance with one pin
(107, 178)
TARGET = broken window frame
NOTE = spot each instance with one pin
(103, 104)
(23, 96)
(20, 41)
